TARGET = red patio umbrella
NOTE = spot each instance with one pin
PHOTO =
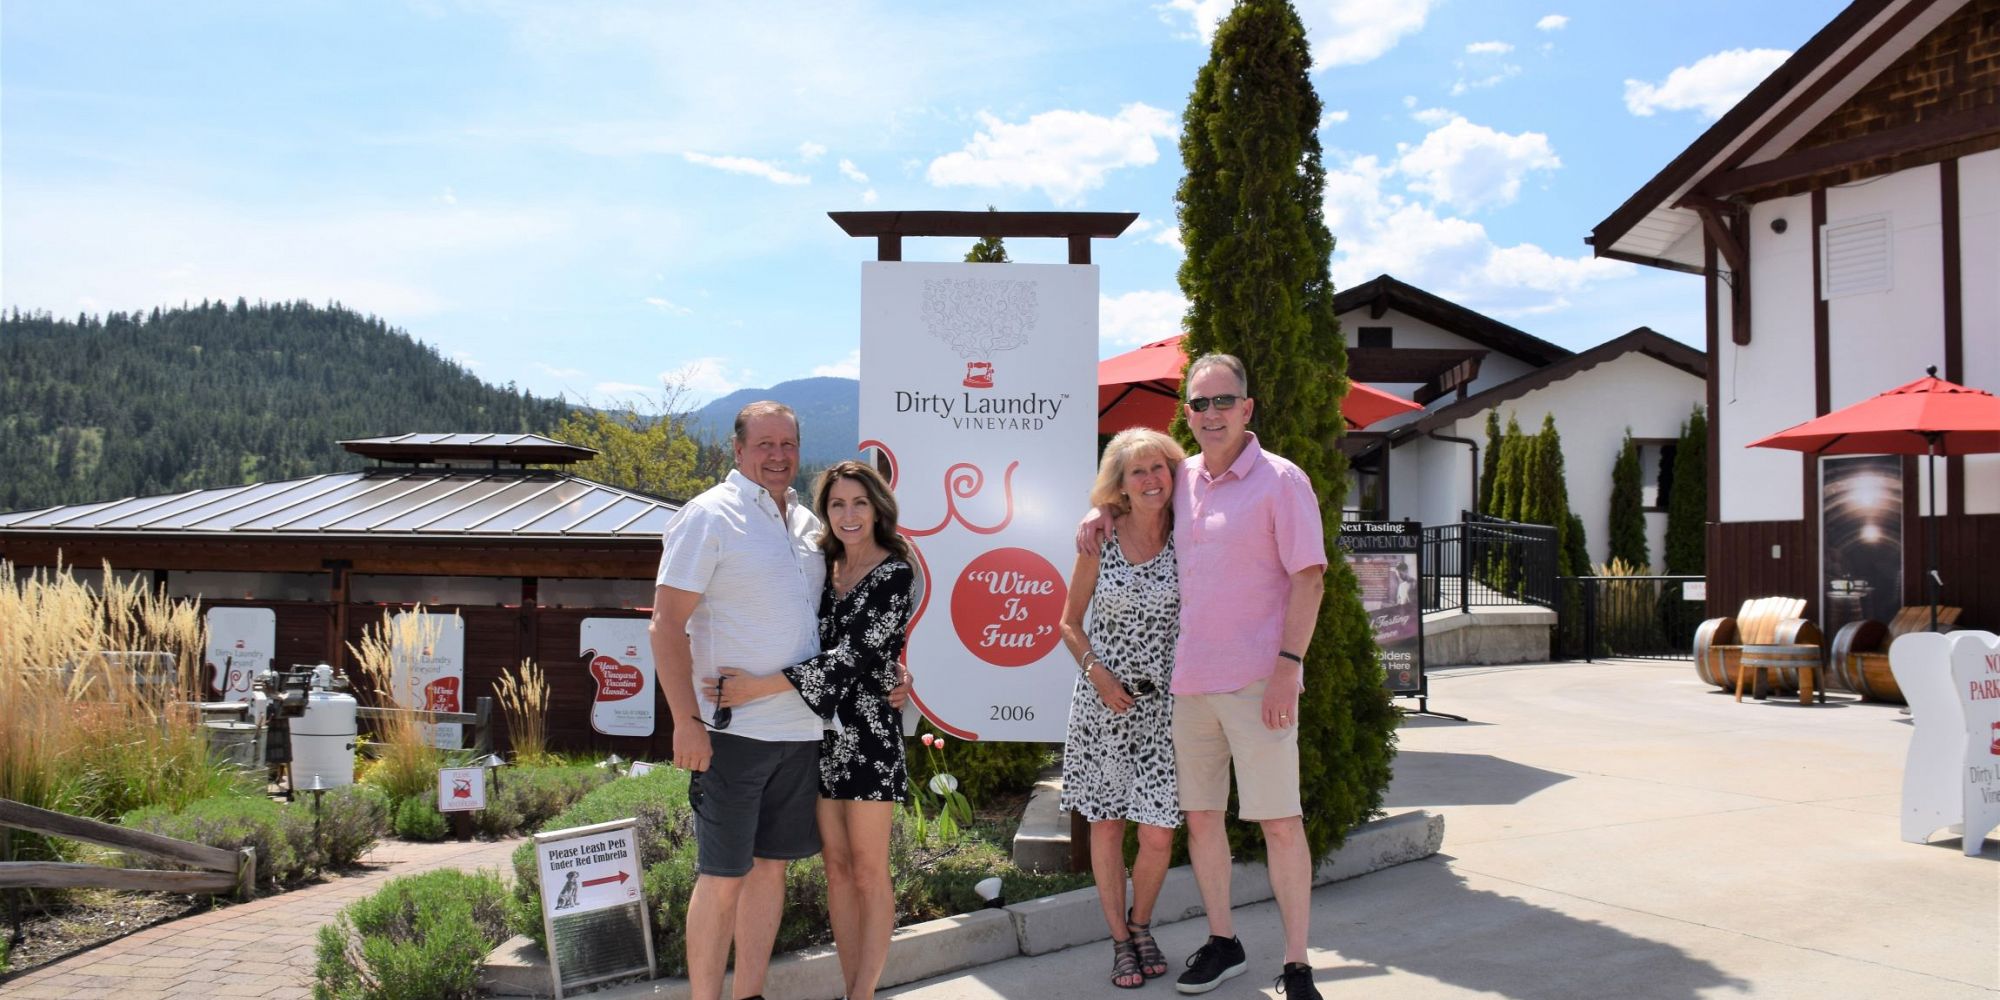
(1927, 417)
(1141, 388)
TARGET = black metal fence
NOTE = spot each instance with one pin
(1648, 617)
(1483, 561)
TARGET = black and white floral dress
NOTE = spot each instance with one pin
(861, 634)
(1121, 765)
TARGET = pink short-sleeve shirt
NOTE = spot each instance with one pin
(1239, 538)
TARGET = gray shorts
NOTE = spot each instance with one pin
(758, 799)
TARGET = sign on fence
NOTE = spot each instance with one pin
(240, 641)
(461, 789)
(1386, 557)
(621, 662)
(592, 908)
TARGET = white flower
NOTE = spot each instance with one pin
(943, 784)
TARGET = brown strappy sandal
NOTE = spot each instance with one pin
(1152, 962)
(1125, 972)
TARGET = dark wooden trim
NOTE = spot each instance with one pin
(337, 594)
(1400, 365)
(1822, 319)
(1384, 293)
(1686, 167)
(1951, 236)
(90, 831)
(1855, 152)
(1833, 77)
(1101, 225)
(1643, 340)
(61, 875)
(1713, 298)
(1079, 249)
(888, 247)
(1727, 226)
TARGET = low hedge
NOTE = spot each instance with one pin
(419, 936)
(351, 820)
(931, 881)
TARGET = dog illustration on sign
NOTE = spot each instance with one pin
(567, 897)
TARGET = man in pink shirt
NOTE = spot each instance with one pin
(1252, 570)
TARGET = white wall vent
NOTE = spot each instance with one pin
(1854, 257)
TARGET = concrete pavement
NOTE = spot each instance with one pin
(1621, 829)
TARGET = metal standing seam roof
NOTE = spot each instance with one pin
(427, 503)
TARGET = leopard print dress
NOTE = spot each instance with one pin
(862, 633)
(1121, 765)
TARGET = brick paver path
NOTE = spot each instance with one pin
(263, 948)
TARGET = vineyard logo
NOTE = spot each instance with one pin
(978, 319)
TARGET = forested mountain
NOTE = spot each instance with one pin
(213, 395)
(829, 412)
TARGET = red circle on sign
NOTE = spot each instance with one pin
(1007, 605)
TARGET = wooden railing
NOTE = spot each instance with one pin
(220, 870)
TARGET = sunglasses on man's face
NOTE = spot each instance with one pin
(1200, 404)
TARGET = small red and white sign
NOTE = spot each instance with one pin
(620, 657)
(461, 789)
(239, 648)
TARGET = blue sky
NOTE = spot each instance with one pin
(581, 197)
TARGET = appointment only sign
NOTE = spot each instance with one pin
(979, 386)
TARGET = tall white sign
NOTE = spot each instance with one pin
(432, 677)
(621, 662)
(1952, 775)
(240, 641)
(979, 384)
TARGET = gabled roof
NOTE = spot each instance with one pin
(1382, 293)
(385, 503)
(1748, 146)
(522, 448)
(1643, 340)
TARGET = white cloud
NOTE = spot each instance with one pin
(1493, 79)
(1712, 85)
(1352, 32)
(1378, 231)
(449, 197)
(1488, 49)
(1332, 118)
(554, 372)
(704, 379)
(746, 165)
(810, 151)
(1433, 116)
(615, 389)
(1064, 153)
(1471, 166)
(852, 172)
(1136, 318)
(1552, 22)
(466, 360)
(666, 306)
(1169, 237)
(1341, 32)
(847, 367)
(869, 197)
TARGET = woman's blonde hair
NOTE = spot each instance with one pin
(1109, 489)
(879, 497)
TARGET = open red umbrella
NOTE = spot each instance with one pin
(1927, 417)
(1141, 388)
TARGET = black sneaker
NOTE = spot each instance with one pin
(1296, 982)
(1212, 963)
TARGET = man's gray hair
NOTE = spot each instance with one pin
(763, 407)
(1227, 362)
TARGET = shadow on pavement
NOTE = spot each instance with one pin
(1486, 941)
(1428, 778)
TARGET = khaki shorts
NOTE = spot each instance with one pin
(1211, 731)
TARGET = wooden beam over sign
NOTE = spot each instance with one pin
(1053, 225)
(1727, 226)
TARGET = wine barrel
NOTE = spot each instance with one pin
(1715, 652)
(1861, 664)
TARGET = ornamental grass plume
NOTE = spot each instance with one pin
(524, 696)
(408, 761)
(94, 682)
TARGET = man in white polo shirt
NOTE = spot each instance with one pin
(739, 586)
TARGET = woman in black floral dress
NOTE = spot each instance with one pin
(854, 684)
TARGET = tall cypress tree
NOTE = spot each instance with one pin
(1627, 517)
(1687, 503)
(1490, 462)
(1257, 284)
(989, 249)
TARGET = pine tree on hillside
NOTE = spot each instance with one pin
(1687, 500)
(1256, 279)
(1627, 517)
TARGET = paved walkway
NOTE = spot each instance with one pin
(263, 948)
(1624, 830)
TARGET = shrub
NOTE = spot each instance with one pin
(419, 936)
(282, 837)
(352, 819)
(524, 695)
(527, 797)
(417, 818)
(407, 763)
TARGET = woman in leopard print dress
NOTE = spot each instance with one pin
(1120, 623)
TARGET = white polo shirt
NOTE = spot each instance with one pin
(760, 577)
